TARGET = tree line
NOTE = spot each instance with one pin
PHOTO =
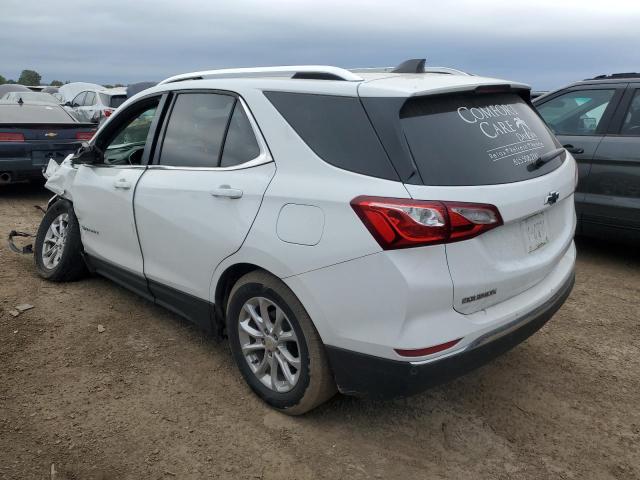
(33, 78)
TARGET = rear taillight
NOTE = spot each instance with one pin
(11, 137)
(398, 223)
(107, 112)
(85, 136)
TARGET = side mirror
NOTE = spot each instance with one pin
(67, 104)
(86, 155)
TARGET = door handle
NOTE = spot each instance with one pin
(571, 149)
(122, 183)
(226, 191)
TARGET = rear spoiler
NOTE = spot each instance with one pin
(518, 88)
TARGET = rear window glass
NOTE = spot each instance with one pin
(337, 130)
(34, 114)
(470, 139)
(117, 100)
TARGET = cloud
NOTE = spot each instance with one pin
(543, 43)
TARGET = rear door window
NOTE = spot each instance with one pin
(240, 145)
(90, 99)
(576, 113)
(476, 139)
(196, 130)
(631, 125)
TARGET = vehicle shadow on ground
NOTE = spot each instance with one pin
(619, 252)
(23, 190)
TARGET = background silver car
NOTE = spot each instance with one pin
(96, 105)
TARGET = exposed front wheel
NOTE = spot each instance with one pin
(276, 346)
(58, 248)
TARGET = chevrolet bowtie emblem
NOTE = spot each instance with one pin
(51, 134)
(552, 198)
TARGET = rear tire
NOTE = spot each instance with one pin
(58, 247)
(287, 339)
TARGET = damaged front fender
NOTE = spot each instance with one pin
(60, 178)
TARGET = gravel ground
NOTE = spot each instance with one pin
(153, 398)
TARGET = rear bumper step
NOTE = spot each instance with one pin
(379, 378)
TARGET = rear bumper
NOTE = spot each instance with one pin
(374, 377)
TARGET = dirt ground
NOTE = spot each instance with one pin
(153, 398)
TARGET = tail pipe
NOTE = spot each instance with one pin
(5, 177)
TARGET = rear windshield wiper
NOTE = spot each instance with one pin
(545, 158)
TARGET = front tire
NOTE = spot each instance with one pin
(58, 247)
(276, 346)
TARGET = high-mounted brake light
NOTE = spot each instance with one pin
(84, 135)
(11, 137)
(399, 223)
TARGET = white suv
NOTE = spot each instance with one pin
(377, 231)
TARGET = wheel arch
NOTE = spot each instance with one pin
(223, 286)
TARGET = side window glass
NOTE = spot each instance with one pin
(90, 99)
(127, 145)
(240, 145)
(576, 113)
(78, 101)
(195, 131)
(631, 125)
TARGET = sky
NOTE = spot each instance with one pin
(545, 43)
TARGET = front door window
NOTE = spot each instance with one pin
(127, 146)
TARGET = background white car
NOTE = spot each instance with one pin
(378, 231)
(97, 105)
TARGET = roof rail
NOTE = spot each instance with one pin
(615, 75)
(296, 71)
(443, 70)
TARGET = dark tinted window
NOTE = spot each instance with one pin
(77, 102)
(90, 99)
(576, 113)
(631, 125)
(470, 139)
(196, 129)
(241, 145)
(117, 100)
(337, 130)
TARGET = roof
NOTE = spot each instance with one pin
(113, 91)
(328, 80)
(614, 78)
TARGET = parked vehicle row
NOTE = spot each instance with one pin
(598, 121)
(417, 225)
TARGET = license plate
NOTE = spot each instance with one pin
(535, 232)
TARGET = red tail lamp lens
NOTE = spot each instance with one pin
(399, 223)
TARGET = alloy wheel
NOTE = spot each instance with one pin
(54, 241)
(269, 344)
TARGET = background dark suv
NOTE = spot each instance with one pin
(598, 121)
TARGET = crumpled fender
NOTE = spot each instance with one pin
(60, 177)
